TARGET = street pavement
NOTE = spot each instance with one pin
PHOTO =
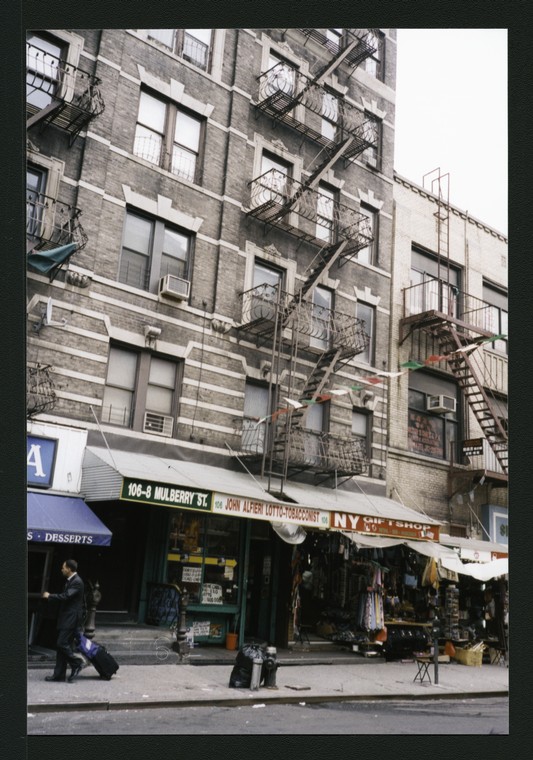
(299, 678)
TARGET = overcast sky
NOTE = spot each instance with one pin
(451, 112)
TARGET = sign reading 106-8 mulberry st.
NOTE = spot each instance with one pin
(165, 495)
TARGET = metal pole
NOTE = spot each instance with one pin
(436, 650)
(93, 600)
(182, 645)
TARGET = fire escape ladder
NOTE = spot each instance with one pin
(474, 392)
(321, 264)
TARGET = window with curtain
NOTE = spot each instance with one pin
(119, 392)
(325, 226)
(431, 434)
(193, 45)
(367, 255)
(496, 315)
(43, 69)
(256, 407)
(367, 313)
(322, 318)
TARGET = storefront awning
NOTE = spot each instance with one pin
(474, 549)
(56, 519)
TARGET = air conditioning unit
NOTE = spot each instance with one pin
(441, 404)
(158, 424)
(174, 287)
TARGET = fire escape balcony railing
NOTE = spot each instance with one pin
(306, 449)
(364, 49)
(435, 300)
(275, 198)
(51, 223)
(60, 93)
(318, 328)
(486, 462)
(283, 88)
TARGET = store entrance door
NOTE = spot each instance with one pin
(260, 615)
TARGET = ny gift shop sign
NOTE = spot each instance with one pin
(382, 526)
(40, 461)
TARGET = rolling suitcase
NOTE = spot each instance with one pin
(104, 663)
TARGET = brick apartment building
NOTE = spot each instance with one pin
(210, 262)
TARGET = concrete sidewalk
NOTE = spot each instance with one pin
(181, 685)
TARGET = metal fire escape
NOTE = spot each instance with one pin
(293, 324)
(59, 93)
(456, 319)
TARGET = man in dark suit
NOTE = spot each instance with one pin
(69, 621)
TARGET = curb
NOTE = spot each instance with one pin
(256, 700)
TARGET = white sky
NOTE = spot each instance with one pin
(451, 112)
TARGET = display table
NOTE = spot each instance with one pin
(404, 638)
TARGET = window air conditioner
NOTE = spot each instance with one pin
(158, 424)
(441, 404)
(174, 287)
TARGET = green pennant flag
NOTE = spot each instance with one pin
(413, 364)
(356, 387)
(494, 337)
(309, 401)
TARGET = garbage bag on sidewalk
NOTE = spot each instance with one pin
(241, 675)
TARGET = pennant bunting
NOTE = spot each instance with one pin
(413, 364)
(295, 404)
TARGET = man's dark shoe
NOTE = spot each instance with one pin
(53, 678)
(76, 670)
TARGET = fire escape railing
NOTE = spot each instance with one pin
(59, 93)
(283, 88)
(275, 198)
(305, 449)
(435, 299)
(40, 390)
(363, 48)
(51, 223)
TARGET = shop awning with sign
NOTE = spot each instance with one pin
(54, 519)
(131, 476)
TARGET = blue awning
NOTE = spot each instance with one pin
(64, 520)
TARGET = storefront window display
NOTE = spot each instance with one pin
(203, 554)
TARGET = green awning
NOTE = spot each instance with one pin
(45, 261)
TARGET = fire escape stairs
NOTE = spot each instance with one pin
(475, 394)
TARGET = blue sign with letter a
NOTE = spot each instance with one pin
(40, 460)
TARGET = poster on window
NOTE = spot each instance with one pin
(191, 574)
(426, 434)
(212, 593)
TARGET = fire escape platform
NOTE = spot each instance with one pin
(430, 320)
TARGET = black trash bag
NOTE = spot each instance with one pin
(241, 675)
(240, 678)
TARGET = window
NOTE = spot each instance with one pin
(360, 429)
(35, 186)
(274, 176)
(266, 282)
(193, 45)
(367, 255)
(334, 35)
(330, 115)
(203, 554)
(374, 64)
(372, 154)
(151, 250)
(43, 70)
(433, 293)
(256, 407)
(367, 313)
(496, 315)
(117, 406)
(168, 137)
(315, 426)
(281, 76)
(140, 391)
(325, 226)
(429, 433)
(322, 318)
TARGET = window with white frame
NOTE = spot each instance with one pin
(316, 425)
(273, 183)
(325, 225)
(36, 178)
(322, 318)
(374, 64)
(43, 69)
(256, 407)
(361, 426)
(335, 35)
(496, 315)
(434, 287)
(193, 45)
(367, 255)
(281, 76)
(140, 391)
(168, 136)
(152, 249)
(367, 314)
(372, 155)
(330, 115)
(267, 280)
